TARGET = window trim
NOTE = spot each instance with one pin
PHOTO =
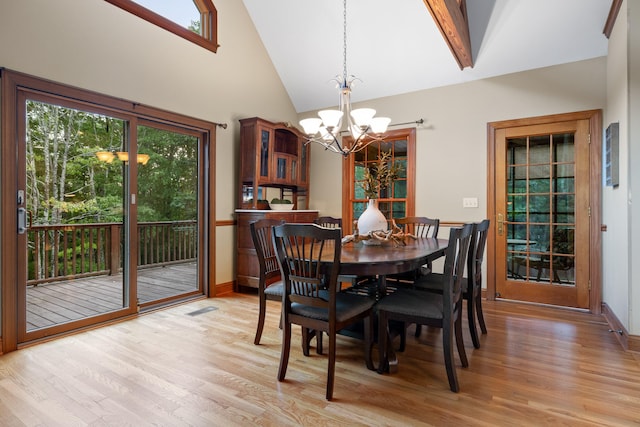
(208, 22)
(348, 173)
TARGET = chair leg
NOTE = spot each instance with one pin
(471, 316)
(261, 314)
(403, 337)
(307, 335)
(383, 363)
(284, 354)
(418, 330)
(449, 362)
(460, 342)
(319, 335)
(332, 364)
(368, 342)
(483, 326)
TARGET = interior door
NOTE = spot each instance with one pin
(542, 210)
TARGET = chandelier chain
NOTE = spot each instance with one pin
(344, 42)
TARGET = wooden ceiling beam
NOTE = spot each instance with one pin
(451, 18)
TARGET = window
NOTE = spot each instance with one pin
(396, 201)
(203, 32)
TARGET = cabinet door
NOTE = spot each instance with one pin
(265, 152)
(303, 165)
(285, 169)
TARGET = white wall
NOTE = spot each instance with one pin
(97, 46)
(634, 171)
(615, 214)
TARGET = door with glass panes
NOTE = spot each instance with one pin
(542, 213)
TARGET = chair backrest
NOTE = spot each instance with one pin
(419, 226)
(261, 235)
(328, 222)
(454, 265)
(476, 252)
(309, 258)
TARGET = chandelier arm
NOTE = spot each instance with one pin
(329, 131)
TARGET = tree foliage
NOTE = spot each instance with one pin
(67, 184)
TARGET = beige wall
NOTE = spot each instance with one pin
(452, 144)
(95, 45)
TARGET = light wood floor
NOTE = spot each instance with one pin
(537, 366)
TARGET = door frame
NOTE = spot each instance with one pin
(595, 192)
(11, 84)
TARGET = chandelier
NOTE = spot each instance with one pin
(360, 124)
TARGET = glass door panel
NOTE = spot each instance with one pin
(542, 218)
(540, 212)
(167, 214)
(76, 214)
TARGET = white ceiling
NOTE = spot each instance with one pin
(394, 46)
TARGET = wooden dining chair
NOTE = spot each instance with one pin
(333, 222)
(418, 226)
(269, 282)
(442, 310)
(309, 258)
(471, 284)
(328, 222)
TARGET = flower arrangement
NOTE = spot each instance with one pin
(380, 176)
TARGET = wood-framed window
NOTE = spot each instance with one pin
(208, 31)
(395, 202)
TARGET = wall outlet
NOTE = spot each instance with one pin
(470, 202)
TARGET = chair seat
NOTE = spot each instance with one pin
(274, 290)
(411, 302)
(347, 306)
(433, 282)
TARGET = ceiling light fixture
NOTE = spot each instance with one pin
(361, 124)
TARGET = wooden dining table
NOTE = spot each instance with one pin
(360, 259)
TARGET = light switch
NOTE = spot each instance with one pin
(470, 202)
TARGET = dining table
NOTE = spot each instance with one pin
(381, 260)
(371, 260)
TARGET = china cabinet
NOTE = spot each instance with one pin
(274, 163)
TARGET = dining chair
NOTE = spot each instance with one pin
(333, 222)
(471, 284)
(442, 310)
(309, 258)
(418, 226)
(269, 282)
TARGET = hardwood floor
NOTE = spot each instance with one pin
(174, 367)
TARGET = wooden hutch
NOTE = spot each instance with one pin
(274, 163)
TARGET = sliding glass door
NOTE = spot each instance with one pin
(167, 213)
(72, 219)
(109, 215)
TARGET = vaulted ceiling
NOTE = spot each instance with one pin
(397, 46)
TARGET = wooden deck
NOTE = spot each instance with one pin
(61, 302)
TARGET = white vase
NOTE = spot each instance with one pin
(372, 220)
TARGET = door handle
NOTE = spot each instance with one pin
(22, 220)
(500, 224)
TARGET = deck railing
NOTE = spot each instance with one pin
(63, 252)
